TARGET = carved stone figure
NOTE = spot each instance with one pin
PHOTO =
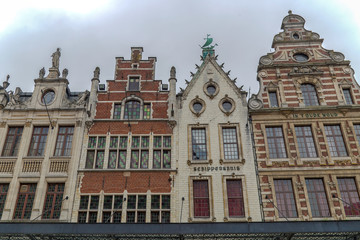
(82, 98)
(65, 72)
(6, 82)
(97, 72)
(56, 58)
(173, 72)
(42, 73)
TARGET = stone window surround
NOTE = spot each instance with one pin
(43, 91)
(209, 83)
(356, 177)
(303, 51)
(296, 190)
(351, 95)
(189, 135)
(195, 100)
(245, 199)
(239, 143)
(273, 87)
(346, 84)
(227, 99)
(309, 80)
(128, 82)
(211, 217)
(286, 140)
(123, 104)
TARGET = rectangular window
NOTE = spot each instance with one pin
(3, 193)
(88, 209)
(64, 141)
(285, 198)
(136, 209)
(350, 196)
(276, 144)
(231, 150)
(12, 141)
(53, 201)
(235, 198)
(147, 110)
(38, 141)
(198, 141)
(139, 152)
(160, 208)
(25, 201)
(112, 208)
(201, 199)
(305, 142)
(134, 84)
(95, 153)
(117, 111)
(347, 96)
(162, 152)
(117, 152)
(273, 99)
(335, 141)
(357, 132)
(317, 198)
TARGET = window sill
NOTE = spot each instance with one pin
(60, 157)
(201, 219)
(199, 162)
(224, 161)
(236, 219)
(33, 158)
(8, 158)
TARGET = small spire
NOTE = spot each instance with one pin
(97, 72)
(289, 12)
(173, 72)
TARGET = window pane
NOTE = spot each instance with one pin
(235, 198)
(64, 141)
(201, 198)
(305, 142)
(134, 163)
(25, 201)
(53, 201)
(38, 141)
(122, 159)
(132, 110)
(275, 141)
(231, 151)
(134, 83)
(273, 99)
(90, 159)
(317, 198)
(12, 141)
(117, 111)
(199, 151)
(167, 159)
(157, 142)
(112, 159)
(157, 159)
(309, 95)
(114, 142)
(350, 196)
(147, 111)
(144, 159)
(335, 141)
(155, 202)
(3, 193)
(285, 198)
(347, 96)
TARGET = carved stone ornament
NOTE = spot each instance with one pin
(255, 103)
(337, 56)
(173, 72)
(262, 74)
(65, 73)
(42, 73)
(97, 72)
(265, 60)
(305, 70)
(315, 36)
(300, 186)
(278, 38)
(82, 98)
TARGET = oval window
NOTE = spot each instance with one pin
(48, 97)
(227, 106)
(296, 36)
(197, 107)
(211, 89)
(301, 57)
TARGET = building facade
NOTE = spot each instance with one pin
(306, 129)
(127, 167)
(216, 179)
(41, 134)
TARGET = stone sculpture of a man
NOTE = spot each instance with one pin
(56, 58)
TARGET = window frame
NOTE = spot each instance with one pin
(25, 207)
(317, 192)
(88, 211)
(160, 210)
(54, 202)
(280, 215)
(113, 210)
(210, 197)
(162, 149)
(310, 96)
(345, 200)
(40, 144)
(190, 143)
(285, 142)
(117, 110)
(118, 149)
(95, 150)
(4, 189)
(140, 150)
(243, 200)
(130, 113)
(64, 151)
(336, 143)
(14, 144)
(130, 85)
(272, 94)
(348, 96)
(136, 210)
(238, 142)
(306, 143)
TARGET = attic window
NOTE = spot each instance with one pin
(197, 107)
(301, 57)
(296, 36)
(211, 89)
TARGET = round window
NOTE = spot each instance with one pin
(301, 57)
(296, 36)
(227, 106)
(211, 89)
(48, 97)
(197, 107)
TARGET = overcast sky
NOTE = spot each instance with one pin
(92, 33)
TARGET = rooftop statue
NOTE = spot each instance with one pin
(207, 48)
(56, 58)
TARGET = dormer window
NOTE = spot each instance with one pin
(309, 94)
(48, 97)
(273, 99)
(132, 110)
(347, 96)
(134, 84)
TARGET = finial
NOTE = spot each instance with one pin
(173, 72)
(65, 72)
(42, 73)
(6, 82)
(97, 72)
(56, 58)
(192, 74)
(290, 12)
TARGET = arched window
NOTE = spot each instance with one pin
(309, 94)
(132, 110)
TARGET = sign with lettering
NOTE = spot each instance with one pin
(315, 115)
(216, 169)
